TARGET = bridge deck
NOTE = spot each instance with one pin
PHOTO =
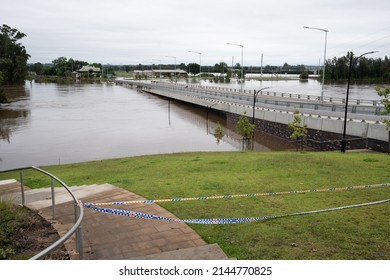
(364, 120)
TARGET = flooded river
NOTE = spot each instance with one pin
(47, 123)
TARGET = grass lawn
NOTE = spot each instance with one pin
(357, 233)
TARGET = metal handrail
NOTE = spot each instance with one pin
(79, 214)
(360, 111)
(249, 92)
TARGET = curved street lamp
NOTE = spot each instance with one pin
(323, 72)
(174, 70)
(200, 65)
(255, 93)
(242, 61)
(352, 62)
(159, 60)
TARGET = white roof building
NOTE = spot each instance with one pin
(89, 68)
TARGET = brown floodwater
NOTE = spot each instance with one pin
(48, 123)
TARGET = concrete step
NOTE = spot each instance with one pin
(7, 182)
(113, 237)
(205, 252)
(38, 199)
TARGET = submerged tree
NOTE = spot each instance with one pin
(304, 75)
(193, 68)
(13, 56)
(3, 98)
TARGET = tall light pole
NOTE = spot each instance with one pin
(261, 68)
(323, 71)
(159, 60)
(242, 61)
(174, 70)
(200, 65)
(352, 62)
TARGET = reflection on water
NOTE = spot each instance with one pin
(50, 123)
(14, 114)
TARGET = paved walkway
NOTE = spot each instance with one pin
(112, 237)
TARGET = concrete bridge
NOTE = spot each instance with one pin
(272, 111)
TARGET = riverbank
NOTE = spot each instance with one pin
(357, 233)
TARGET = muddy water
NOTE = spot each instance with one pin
(47, 124)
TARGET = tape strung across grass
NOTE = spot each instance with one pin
(222, 221)
(149, 201)
(213, 221)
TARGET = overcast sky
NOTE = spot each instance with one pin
(147, 31)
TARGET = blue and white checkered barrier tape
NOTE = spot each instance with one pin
(222, 221)
(150, 201)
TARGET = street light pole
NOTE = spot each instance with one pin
(200, 65)
(352, 63)
(261, 68)
(159, 60)
(323, 71)
(242, 61)
(255, 93)
(174, 70)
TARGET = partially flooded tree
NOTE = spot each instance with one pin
(218, 132)
(13, 56)
(3, 98)
(299, 131)
(245, 129)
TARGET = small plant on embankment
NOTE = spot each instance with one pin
(299, 131)
(385, 94)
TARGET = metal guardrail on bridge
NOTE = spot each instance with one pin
(329, 105)
(78, 213)
(300, 96)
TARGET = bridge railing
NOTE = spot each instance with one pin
(291, 95)
(78, 212)
(330, 99)
(363, 121)
(330, 104)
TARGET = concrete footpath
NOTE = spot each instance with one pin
(112, 237)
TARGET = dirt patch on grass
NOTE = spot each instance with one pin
(34, 235)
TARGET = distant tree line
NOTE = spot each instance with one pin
(365, 68)
(336, 68)
(220, 67)
(60, 67)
